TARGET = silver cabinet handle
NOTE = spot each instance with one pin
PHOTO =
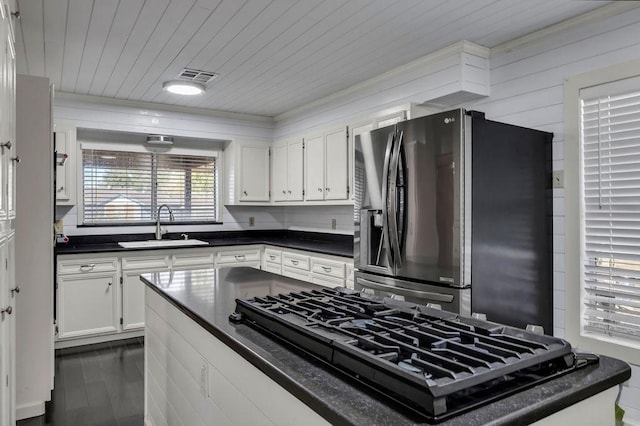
(16, 289)
(328, 189)
(7, 145)
(61, 189)
(326, 269)
(7, 310)
(245, 192)
(87, 267)
(272, 257)
(16, 159)
(320, 189)
(109, 283)
(295, 262)
(440, 297)
(284, 192)
(240, 257)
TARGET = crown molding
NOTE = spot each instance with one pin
(604, 12)
(66, 96)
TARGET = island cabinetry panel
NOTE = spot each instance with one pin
(87, 298)
(194, 377)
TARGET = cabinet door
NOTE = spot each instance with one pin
(254, 173)
(355, 131)
(11, 157)
(314, 167)
(279, 167)
(87, 304)
(5, 338)
(296, 169)
(64, 146)
(336, 165)
(133, 299)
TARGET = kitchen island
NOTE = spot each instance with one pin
(200, 368)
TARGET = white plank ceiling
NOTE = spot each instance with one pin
(272, 55)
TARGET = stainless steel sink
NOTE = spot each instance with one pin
(162, 243)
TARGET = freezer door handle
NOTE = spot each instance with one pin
(385, 194)
(439, 297)
(392, 201)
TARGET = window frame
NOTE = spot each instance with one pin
(574, 234)
(135, 147)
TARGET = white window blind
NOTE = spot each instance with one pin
(128, 187)
(610, 133)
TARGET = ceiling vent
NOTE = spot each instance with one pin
(197, 76)
(159, 140)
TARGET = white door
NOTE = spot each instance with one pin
(87, 304)
(11, 296)
(5, 339)
(296, 170)
(254, 173)
(279, 167)
(314, 167)
(336, 165)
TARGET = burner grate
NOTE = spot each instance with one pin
(434, 361)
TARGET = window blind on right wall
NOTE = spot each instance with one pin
(610, 136)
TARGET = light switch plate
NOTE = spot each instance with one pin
(252, 221)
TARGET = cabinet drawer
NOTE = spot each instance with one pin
(326, 280)
(296, 273)
(327, 267)
(295, 261)
(275, 268)
(205, 260)
(238, 258)
(144, 262)
(273, 256)
(84, 266)
(349, 284)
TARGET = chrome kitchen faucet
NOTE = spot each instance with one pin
(159, 231)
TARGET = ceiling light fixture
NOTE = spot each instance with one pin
(183, 87)
(159, 140)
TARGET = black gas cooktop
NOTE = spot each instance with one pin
(435, 362)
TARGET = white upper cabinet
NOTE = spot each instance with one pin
(295, 169)
(247, 172)
(336, 177)
(287, 170)
(254, 173)
(65, 149)
(326, 166)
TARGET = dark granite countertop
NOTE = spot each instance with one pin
(336, 397)
(332, 244)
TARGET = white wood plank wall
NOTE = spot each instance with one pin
(526, 89)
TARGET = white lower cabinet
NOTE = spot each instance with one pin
(239, 256)
(100, 296)
(133, 288)
(87, 304)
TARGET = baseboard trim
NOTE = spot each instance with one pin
(27, 411)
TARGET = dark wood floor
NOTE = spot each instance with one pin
(97, 385)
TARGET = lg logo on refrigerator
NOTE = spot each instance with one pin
(449, 120)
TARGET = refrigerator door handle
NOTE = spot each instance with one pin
(438, 297)
(392, 203)
(385, 194)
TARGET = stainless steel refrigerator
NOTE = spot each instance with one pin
(455, 210)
